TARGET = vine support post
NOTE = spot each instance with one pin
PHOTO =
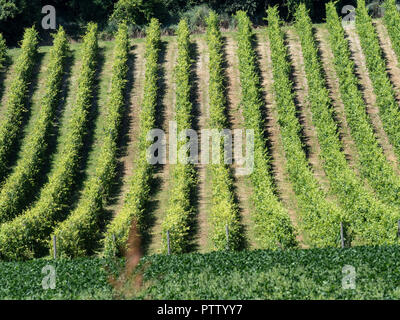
(168, 243)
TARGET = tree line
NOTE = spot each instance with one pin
(15, 15)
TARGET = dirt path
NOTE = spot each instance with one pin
(131, 124)
(284, 186)
(349, 146)
(202, 103)
(370, 97)
(242, 183)
(163, 175)
(305, 114)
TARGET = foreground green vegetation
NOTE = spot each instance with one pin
(282, 274)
